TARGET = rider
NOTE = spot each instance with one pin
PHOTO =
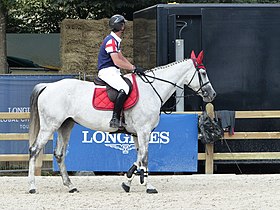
(110, 60)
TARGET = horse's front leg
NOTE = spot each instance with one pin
(132, 171)
(142, 159)
(141, 164)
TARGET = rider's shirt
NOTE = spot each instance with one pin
(111, 44)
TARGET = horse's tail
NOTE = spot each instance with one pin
(34, 125)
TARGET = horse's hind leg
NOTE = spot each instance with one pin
(34, 150)
(60, 152)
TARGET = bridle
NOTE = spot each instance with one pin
(198, 67)
(200, 90)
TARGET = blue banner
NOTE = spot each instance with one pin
(172, 148)
(15, 91)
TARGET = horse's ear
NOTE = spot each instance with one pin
(193, 55)
(200, 57)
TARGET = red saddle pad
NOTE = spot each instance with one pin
(101, 101)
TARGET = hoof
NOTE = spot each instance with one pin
(125, 187)
(73, 190)
(151, 191)
(32, 191)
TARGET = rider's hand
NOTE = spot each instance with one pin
(139, 70)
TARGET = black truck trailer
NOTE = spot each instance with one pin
(241, 44)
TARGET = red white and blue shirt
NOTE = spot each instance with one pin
(111, 44)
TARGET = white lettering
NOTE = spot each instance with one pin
(85, 140)
(18, 109)
(164, 137)
(24, 127)
(159, 137)
(128, 139)
(125, 139)
(112, 137)
(154, 138)
(9, 120)
(100, 137)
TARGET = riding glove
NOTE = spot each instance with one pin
(139, 70)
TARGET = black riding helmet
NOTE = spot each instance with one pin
(116, 22)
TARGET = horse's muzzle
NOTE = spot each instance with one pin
(208, 96)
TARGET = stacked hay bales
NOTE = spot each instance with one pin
(80, 42)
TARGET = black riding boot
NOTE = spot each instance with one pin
(115, 121)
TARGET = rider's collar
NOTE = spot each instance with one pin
(116, 36)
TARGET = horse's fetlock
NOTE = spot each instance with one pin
(143, 175)
(143, 168)
(58, 157)
(33, 151)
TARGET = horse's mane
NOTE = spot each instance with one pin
(165, 66)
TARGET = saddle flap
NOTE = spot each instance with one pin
(112, 93)
(101, 99)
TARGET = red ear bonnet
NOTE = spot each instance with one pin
(193, 55)
(200, 58)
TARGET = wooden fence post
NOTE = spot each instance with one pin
(209, 148)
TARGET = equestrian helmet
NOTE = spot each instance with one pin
(116, 22)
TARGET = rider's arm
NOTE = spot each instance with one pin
(123, 58)
(120, 61)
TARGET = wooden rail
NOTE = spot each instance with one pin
(23, 157)
(20, 137)
(14, 115)
(209, 162)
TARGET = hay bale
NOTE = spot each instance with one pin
(80, 42)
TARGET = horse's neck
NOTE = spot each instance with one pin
(175, 73)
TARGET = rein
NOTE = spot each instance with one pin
(163, 80)
(146, 80)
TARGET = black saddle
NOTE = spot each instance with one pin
(112, 93)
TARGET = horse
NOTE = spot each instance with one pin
(57, 106)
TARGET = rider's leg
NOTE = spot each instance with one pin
(115, 121)
(112, 76)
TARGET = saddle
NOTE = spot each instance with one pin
(111, 92)
(104, 95)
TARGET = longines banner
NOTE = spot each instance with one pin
(172, 148)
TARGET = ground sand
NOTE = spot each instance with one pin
(175, 192)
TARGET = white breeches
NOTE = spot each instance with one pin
(112, 76)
